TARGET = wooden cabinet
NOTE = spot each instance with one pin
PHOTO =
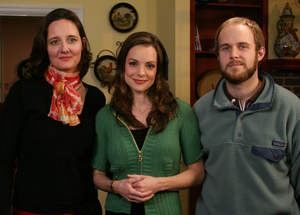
(282, 64)
(207, 16)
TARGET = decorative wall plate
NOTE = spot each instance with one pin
(297, 2)
(105, 69)
(123, 17)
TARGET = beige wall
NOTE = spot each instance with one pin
(275, 11)
(158, 17)
(169, 19)
(182, 49)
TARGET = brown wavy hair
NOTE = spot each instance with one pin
(164, 105)
(38, 62)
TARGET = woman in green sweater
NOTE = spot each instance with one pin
(142, 134)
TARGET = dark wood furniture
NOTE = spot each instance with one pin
(282, 64)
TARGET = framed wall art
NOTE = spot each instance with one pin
(123, 17)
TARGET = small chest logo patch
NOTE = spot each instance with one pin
(278, 143)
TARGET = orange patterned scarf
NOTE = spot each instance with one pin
(66, 101)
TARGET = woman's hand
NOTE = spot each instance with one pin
(123, 187)
(126, 189)
(145, 184)
(193, 175)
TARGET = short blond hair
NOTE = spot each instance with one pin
(252, 25)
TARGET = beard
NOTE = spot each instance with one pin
(245, 75)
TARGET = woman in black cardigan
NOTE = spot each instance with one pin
(47, 125)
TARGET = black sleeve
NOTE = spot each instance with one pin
(98, 99)
(102, 99)
(10, 123)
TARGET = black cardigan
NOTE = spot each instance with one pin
(54, 174)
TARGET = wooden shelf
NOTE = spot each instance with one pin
(283, 64)
(205, 54)
(232, 5)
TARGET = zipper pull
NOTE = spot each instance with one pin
(140, 156)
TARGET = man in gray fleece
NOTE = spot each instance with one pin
(250, 130)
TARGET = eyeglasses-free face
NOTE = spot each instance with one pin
(140, 68)
(64, 45)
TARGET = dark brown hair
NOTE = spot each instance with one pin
(252, 25)
(164, 105)
(38, 62)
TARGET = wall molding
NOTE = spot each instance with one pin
(17, 10)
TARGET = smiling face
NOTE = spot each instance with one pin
(64, 45)
(140, 68)
(238, 56)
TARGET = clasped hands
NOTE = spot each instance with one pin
(137, 188)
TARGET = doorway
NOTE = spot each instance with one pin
(21, 41)
(16, 35)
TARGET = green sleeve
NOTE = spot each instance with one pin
(192, 149)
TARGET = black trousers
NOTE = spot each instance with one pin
(136, 209)
(90, 209)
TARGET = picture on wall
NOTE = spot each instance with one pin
(123, 17)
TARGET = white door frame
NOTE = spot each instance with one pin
(26, 10)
